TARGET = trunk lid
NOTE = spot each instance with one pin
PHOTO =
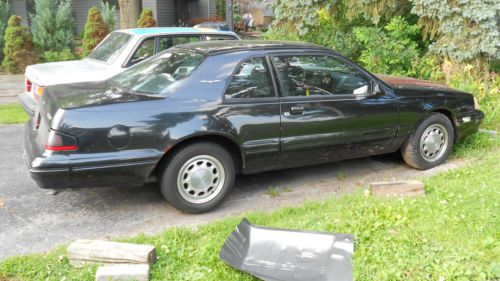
(71, 96)
(65, 72)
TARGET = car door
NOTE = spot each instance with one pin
(252, 111)
(329, 111)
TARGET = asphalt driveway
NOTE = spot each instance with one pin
(33, 220)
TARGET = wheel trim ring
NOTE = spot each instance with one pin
(198, 179)
(434, 142)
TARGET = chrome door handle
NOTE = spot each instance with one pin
(297, 109)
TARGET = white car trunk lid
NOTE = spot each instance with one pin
(54, 73)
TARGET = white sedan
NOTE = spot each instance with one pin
(118, 51)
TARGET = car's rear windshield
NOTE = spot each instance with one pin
(111, 47)
(159, 73)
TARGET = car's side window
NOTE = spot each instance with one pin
(319, 75)
(144, 51)
(252, 79)
(167, 42)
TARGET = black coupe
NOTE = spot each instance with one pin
(195, 115)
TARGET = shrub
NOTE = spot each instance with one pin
(392, 50)
(146, 19)
(109, 15)
(95, 30)
(4, 17)
(18, 51)
(52, 25)
(64, 55)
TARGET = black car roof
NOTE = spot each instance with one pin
(229, 46)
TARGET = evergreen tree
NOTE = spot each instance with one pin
(109, 15)
(95, 30)
(146, 19)
(463, 30)
(4, 17)
(52, 25)
(18, 51)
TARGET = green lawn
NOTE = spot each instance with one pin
(12, 114)
(451, 234)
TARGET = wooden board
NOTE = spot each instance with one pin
(397, 188)
(84, 251)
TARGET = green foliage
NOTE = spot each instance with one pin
(450, 234)
(464, 30)
(335, 33)
(389, 50)
(52, 25)
(485, 86)
(64, 55)
(4, 17)
(298, 16)
(95, 30)
(221, 9)
(108, 13)
(146, 19)
(18, 51)
(376, 11)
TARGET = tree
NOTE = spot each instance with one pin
(109, 15)
(4, 17)
(389, 50)
(129, 13)
(302, 16)
(18, 51)
(95, 30)
(463, 30)
(146, 19)
(52, 25)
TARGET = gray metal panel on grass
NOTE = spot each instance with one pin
(289, 255)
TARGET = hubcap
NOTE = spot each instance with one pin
(200, 179)
(434, 142)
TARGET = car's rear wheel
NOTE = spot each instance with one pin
(430, 144)
(198, 177)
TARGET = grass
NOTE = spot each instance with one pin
(12, 114)
(450, 234)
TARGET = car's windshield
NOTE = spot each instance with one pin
(159, 73)
(111, 47)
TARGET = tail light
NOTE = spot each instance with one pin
(28, 85)
(38, 91)
(58, 141)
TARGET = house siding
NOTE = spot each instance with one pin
(207, 8)
(18, 7)
(151, 4)
(166, 12)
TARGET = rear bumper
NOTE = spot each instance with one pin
(29, 104)
(51, 170)
(469, 123)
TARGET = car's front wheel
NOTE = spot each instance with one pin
(430, 144)
(198, 177)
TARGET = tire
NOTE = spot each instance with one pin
(430, 143)
(198, 177)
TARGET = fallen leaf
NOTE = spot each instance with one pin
(2, 202)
